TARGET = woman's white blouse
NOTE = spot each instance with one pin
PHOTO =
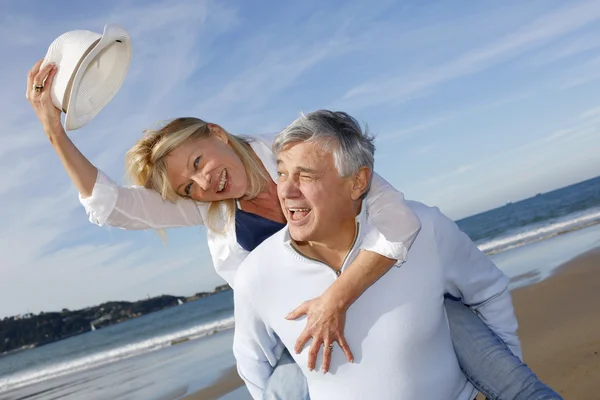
(393, 225)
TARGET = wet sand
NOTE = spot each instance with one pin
(227, 383)
(559, 327)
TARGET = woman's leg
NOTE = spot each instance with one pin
(487, 361)
(287, 381)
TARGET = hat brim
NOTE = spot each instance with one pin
(111, 34)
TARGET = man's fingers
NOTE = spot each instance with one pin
(314, 352)
(327, 349)
(301, 341)
(345, 348)
(298, 312)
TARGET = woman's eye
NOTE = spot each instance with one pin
(196, 162)
(188, 189)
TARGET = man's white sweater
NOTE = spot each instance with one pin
(397, 329)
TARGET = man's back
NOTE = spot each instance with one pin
(397, 329)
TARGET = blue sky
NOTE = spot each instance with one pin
(473, 104)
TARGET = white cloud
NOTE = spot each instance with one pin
(570, 47)
(516, 173)
(277, 70)
(582, 73)
(590, 113)
(539, 32)
(406, 133)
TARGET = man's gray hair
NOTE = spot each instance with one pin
(339, 133)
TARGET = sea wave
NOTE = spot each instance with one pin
(534, 233)
(35, 375)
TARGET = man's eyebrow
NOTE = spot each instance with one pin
(300, 169)
(308, 170)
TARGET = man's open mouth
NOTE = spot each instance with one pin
(298, 214)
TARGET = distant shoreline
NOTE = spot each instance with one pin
(49, 327)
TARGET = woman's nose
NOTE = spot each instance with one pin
(202, 180)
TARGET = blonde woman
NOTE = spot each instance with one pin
(191, 172)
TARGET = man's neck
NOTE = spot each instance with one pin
(333, 250)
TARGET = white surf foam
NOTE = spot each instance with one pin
(35, 375)
(539, 232)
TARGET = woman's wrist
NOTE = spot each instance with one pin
(54, 130)
(340, 295)
(366, 269)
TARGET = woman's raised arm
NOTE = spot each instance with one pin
(105, 202)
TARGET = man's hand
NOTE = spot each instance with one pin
(325, 325)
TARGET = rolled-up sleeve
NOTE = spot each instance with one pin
(393, 224)
(471, 276)
(136, 208)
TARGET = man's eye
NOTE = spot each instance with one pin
(188, 189)
(196, 162)
(305, 177)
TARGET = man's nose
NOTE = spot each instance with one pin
(202, 180)
(288, 189)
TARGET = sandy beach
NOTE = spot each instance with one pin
(559, 326)
(559, 323)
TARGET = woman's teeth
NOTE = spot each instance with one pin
(222, 181)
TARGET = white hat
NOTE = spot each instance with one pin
(91, 69)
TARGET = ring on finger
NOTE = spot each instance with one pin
(37, 88)
(330, 347)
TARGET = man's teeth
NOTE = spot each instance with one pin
(223, 181)
(298, 214)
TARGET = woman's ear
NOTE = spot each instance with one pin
(218, 132)
(360, 182)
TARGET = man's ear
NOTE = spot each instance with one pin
(218, 132)
(360, 182)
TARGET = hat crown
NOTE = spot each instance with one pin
(66, 51)
(91, 69)
(76, 42)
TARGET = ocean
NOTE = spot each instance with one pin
(520, 237)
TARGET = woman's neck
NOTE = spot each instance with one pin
(266, 203)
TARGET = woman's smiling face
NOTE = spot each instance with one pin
(207, 169)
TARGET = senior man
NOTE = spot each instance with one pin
(398, 328)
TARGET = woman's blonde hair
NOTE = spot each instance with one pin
(145, 164)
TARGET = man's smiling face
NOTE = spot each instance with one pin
(316, 200)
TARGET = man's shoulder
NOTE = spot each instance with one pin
(433, 221)
(426, 213)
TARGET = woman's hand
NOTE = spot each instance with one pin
(41, 99)
(325, 325)
(81, 171)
